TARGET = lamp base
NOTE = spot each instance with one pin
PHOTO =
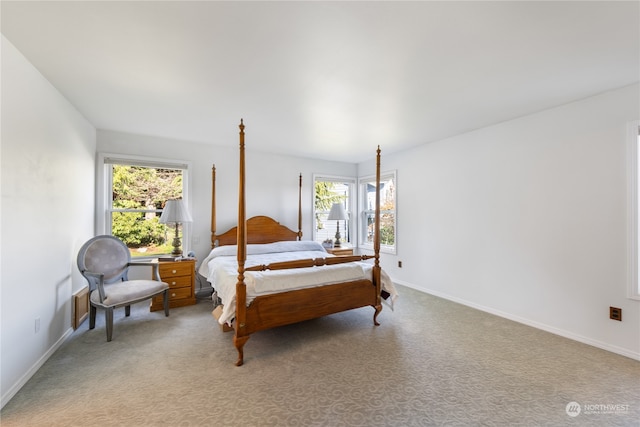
(177, 251)
(337, 243)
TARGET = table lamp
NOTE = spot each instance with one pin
(176, 213)
(337, 213)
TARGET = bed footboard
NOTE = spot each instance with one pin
(286, 308)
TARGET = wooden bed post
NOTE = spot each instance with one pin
(266, 311)
(213, 206)
(300, 208)
(240, 337)
(376, 243)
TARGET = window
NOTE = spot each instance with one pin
(387, 211)
(634, 209)
(135, 192)
(327, 191)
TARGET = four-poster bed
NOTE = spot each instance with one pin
(286, 280)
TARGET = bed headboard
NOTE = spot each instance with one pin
(260, 229)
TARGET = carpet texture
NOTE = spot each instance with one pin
(431, 362)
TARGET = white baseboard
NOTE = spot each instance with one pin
(27, 376)
(566, 334)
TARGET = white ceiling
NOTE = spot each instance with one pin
(326, 80)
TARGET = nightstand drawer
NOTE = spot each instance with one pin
(174, 269)
(175, 294)
(179, 293)
(178, 282)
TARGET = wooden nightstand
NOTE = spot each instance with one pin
(181, 277)
(340, 251)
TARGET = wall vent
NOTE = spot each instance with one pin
(80, 306)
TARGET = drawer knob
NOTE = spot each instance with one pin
(174, 271)
(173, 294)
(173, 283)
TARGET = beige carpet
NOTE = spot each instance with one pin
(431, 362)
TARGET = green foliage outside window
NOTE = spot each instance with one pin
(142, 191)
(387, 227)
(135, 231)
(387, 211)
(325, 197)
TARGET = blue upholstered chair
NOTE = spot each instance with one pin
(104, 261)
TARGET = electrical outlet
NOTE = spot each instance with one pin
(615, 313)
(399, 264)
(37, 325)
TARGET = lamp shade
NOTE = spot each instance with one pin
(337, 212)
(175, 212)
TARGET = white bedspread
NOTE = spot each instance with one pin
(221, 270)
(268, 282)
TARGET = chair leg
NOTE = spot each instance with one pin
(127, 310)
(108, 314)
(165, 302)
(92, 316)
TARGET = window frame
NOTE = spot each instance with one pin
(362, 212)
(633, 243)
(104, 187)
(352, 199)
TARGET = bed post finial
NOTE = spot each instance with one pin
(241, 125)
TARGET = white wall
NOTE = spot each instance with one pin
(264, 173)
(526, 219)
(47, 158)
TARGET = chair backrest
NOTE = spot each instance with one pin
(104, 254)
